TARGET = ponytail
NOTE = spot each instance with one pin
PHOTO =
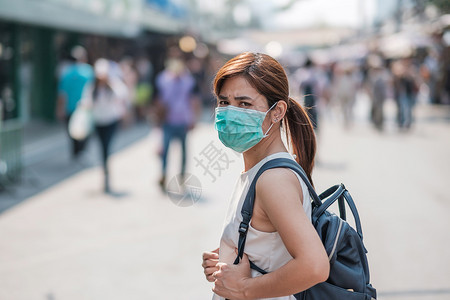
(300, 134)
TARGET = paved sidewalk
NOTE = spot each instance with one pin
(46, 158)
(73, 242)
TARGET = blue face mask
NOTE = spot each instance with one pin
(240, 128)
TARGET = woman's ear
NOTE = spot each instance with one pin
(279, 111)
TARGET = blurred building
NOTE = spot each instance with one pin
(35, 42)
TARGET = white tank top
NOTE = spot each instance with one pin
(264, 249)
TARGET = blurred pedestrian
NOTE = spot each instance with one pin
(75, 77)
(130, 78)
(175, 97)
(430, 74)
(377, 88)
(144, 88)
(109, 99)
(309, 88)
(405, 92)
(253, 100)
(345, 87)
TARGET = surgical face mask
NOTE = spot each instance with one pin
(239, 128)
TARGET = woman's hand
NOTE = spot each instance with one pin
(210, 260)
(230, 280)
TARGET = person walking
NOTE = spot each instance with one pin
(144, 88)
(109, 99)
(377, 87)
(345, 87)
(176, 99)
(253, 104)
(405, 92)
(309, 88)
(75, 78)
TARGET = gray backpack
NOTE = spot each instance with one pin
(349, 277)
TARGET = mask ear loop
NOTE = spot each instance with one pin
(265, 134)
(275, 104)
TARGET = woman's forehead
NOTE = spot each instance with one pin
(236, 82)
(239, 86)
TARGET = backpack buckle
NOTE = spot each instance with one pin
(243, 228)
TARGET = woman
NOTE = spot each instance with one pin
(109, 105)
(253, 104)
(176, 93)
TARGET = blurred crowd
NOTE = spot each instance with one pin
(338, 85)
(109, 93)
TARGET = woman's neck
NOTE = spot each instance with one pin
(267, 146)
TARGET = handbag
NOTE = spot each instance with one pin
(349, 277)
(81, 123)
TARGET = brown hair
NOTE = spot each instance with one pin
(267, 76)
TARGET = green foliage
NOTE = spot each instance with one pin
(442, 5)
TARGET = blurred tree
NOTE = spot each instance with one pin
(442, 5)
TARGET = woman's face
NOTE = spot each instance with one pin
(238, 92)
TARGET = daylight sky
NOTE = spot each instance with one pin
(337, 13)
(304, 13)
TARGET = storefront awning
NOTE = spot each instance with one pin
(122, 18)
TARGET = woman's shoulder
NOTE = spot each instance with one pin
(279, 190)
(278, 178)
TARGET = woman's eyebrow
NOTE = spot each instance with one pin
(222, 97)
(243, 98)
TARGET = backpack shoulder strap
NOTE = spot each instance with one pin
(247, 207)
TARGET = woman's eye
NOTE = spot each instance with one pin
(244, 104)
(223, 103)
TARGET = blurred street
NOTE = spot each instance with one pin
(72, 241)
(46, 158)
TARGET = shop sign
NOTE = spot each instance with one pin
(168, 7)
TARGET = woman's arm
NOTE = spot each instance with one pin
(278, 195)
